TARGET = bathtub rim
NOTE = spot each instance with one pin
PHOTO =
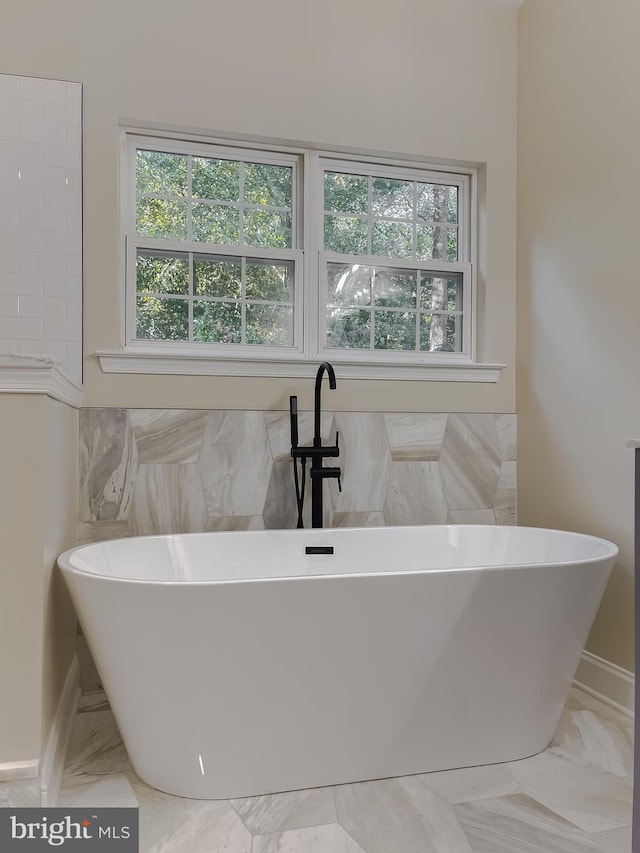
(64, 559)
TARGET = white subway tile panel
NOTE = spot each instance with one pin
(61, 155)
(41, 219)
(56, 349)
(9, 128)
(18, 240)
(63, 244)
(62, 330)
(17, 107)
(18, 327)
(53, 221)
(14, 282)
(43, 264)
(42, 130)
(39, 87)
(9, 304)
(11, 347)
(31, 175)
(61, 285)
(9, 217)
(43, 307)
(9, 85)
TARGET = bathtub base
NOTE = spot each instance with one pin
(226, 685)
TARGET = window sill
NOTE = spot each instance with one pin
(189, 364)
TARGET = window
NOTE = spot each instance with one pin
(281, 255)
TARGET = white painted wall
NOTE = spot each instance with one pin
(38, 511)
(578, 293)
(434, 78)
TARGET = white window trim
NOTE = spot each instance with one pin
(145, 357)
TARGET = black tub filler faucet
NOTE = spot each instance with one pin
(317, 452)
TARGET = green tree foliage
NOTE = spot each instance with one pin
(184, 295)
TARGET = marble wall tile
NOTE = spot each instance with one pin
(280, 508)
(166, 436)
(470, 461)
(101, 531)
(415, 437)
(235, 522)
(506, 499)
(506, 426)
(107, 464)
(365, 460)
(471, 516)
(415, 494)
(278, 425)
(358, 519)
(138, 470)
(168, 499)
(235, 463)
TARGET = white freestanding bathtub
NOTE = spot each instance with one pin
(237, 664)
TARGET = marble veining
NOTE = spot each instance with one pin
(159, 471)
(107, 464)
(165, 436)
(168, 498)
(415, 438)
(571, 798)
(415, 494)
(471, 461)
(365, 459)
(236, 463)
(518, 824)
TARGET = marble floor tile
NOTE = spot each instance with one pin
(111, 790)
(401, 814)
(518, 824)
(615, 841)
(584, 737)
(96, 746)
(471, 783)
(578, 700)
(317, 839)
(20, 793)
(178, 825)
(94, 701)
(573, 790)
(291, 810)
(573, 798)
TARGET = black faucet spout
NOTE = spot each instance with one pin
(325, 366)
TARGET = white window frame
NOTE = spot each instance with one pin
(309, 258)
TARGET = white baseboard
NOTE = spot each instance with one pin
(607, 682)
(55, 751)
(11, 770)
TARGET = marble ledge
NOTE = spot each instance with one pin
(38, 374)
